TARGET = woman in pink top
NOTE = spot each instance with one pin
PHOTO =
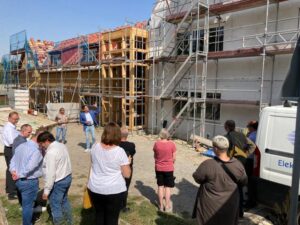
(164, 155)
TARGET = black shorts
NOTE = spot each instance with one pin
(165, 179)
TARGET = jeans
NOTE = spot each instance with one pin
(107, 207)
(28, 190)
(89, 130)
(58, 199)
(61, 131)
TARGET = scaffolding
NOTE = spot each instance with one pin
(183, 84)
(106, 67)
(186, 39)
(170, 40)
(6, 72)
(72, 72)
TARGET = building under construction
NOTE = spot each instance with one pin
(214, 60)
(198, 63)
(107, 67)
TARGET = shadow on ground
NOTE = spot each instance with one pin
(166, 218)
(146, 191)
(87, 216)
(183, 202)
(81, 144)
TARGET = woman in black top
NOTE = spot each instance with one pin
(129, 148)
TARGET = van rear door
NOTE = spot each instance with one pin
(275, 135)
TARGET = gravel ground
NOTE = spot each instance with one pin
(143, 181)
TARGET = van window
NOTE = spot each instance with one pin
(278, 133)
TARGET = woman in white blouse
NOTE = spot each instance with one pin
(106, 184)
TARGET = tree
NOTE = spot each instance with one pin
(1, 72)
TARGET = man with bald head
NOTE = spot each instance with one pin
(25, 133)
(9, 134)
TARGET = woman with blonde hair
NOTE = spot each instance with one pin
(164, 155)
(106, 185)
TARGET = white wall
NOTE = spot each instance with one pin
(240, 78)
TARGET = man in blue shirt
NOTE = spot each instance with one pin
(25, 133)
(26, 168)
(88, 120)
(252, 128)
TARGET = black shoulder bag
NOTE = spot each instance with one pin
(229, 173)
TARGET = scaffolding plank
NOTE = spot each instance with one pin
(237, 5)
(249, 52)
(223, 7)
(243, 52)
(280, 49)
(233, 101)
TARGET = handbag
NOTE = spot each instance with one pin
(87, 203)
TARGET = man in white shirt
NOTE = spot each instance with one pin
(8, 136)
(88, 118)
(57, 177)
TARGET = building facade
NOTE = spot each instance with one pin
(218, 60)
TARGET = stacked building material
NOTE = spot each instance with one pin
(40, 49)
(94, 38)
(66, 44)
(18, 99)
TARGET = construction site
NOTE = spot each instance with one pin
(191, 66)
(106, 67)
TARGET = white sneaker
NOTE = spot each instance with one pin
(87, 150)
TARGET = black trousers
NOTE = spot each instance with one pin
(128, 181)
(10, 187)
(241, 208)
(107, 207)
(251, 185)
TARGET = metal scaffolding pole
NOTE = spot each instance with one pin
(261, 104)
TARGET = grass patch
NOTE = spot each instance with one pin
(142, 213)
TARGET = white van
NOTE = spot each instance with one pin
(275, 141)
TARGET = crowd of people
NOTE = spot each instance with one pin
(45, 155)
(29, 159)
(221, 179)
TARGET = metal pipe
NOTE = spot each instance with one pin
(264, 58)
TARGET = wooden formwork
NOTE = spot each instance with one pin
(124, 77)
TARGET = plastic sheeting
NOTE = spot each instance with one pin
(72, 110)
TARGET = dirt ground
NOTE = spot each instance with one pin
(143, 181)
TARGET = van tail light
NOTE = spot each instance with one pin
(256, 165)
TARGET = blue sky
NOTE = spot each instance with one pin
(57, 20)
